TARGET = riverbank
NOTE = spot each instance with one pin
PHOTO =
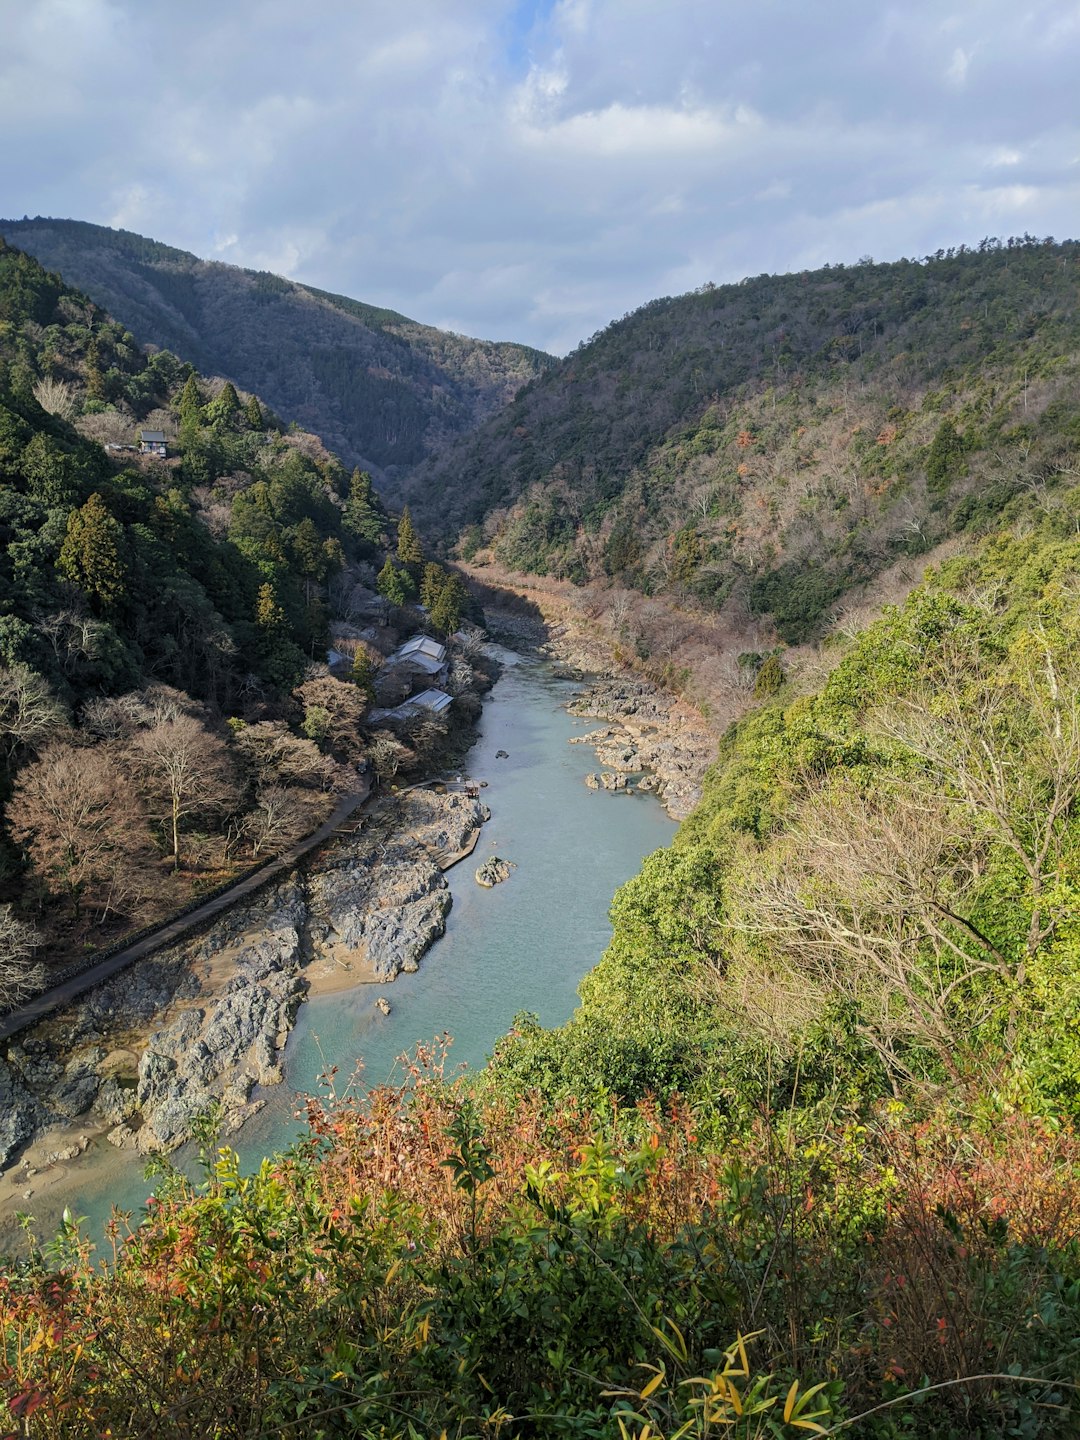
(649, 730)
(204, 1023)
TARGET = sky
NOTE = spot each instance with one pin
(531, 169)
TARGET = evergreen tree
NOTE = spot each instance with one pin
(393, 583)
(363, 673)
(280, 660)
(409, 550)
(363, 516)
(770, 677)
(448, 605)
(95, 381)
(253, 414)
(189, 406)
(434, 578)
(307, 550)
(91, 556)
(223, 409)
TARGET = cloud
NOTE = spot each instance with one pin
(524, 169)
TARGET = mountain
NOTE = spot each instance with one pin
(765, 445)
(380, 389)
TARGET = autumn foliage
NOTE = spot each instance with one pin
(424, 1263)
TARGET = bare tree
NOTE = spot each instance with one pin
(387, 754)
(1005, 741)
(333, 710)
(275, 756)
(56, 397)
(21, 972)
(29, 711)
(187, 771)
(280, 816)
(80, 819)
(869, 899)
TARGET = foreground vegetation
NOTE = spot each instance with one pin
(424, 1264)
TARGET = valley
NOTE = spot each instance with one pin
(779, 1102)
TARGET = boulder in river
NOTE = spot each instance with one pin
(493, 872)
(611, 781)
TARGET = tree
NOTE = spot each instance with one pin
(29, 711)
(278, 817)
(21, 972)
(431, 583)
(393, 583)
(275, 756)
(253, 414)
(187, 771)
(223, 409)
(280, 658)
(362, 673)
(409, 549)
(91, 556)
(449, 602)
(308, 552)
(872, 900)
(333, 710)
(79, 817)
(769, 678)
(363, 515)
(189, 406)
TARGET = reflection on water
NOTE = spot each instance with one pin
(523, 945)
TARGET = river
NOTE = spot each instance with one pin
(523, 945)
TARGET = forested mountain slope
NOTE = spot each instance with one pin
(380, 389)
(164, 719)
(772, 442)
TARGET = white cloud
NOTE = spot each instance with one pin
(957, 71)
(529, 171)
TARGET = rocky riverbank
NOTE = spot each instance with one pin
(204, 1022)
(649, 733)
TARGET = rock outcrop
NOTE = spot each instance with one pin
(217, 1008)
(493, 872)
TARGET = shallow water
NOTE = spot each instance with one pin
(523, 945)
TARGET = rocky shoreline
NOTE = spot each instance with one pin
(648, 731)
(203, 1023)
(649, 734)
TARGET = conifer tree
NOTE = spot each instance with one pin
(91, 556)
(434, 578)
(448, 605)
(279, 658)
(253, 414)
(95, 381)
(189, 406)
(409, 550)
(307, 550)
(363, 516)
(222, 410)
(363, 673)
(392, 583)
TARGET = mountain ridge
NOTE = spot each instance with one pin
(381, 389)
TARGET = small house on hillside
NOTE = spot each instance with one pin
(429, 702)
(421, 655)
(152, 442)
(434, 701)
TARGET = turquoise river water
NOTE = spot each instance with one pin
(523, 945)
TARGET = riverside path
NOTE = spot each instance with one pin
(68, 990)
